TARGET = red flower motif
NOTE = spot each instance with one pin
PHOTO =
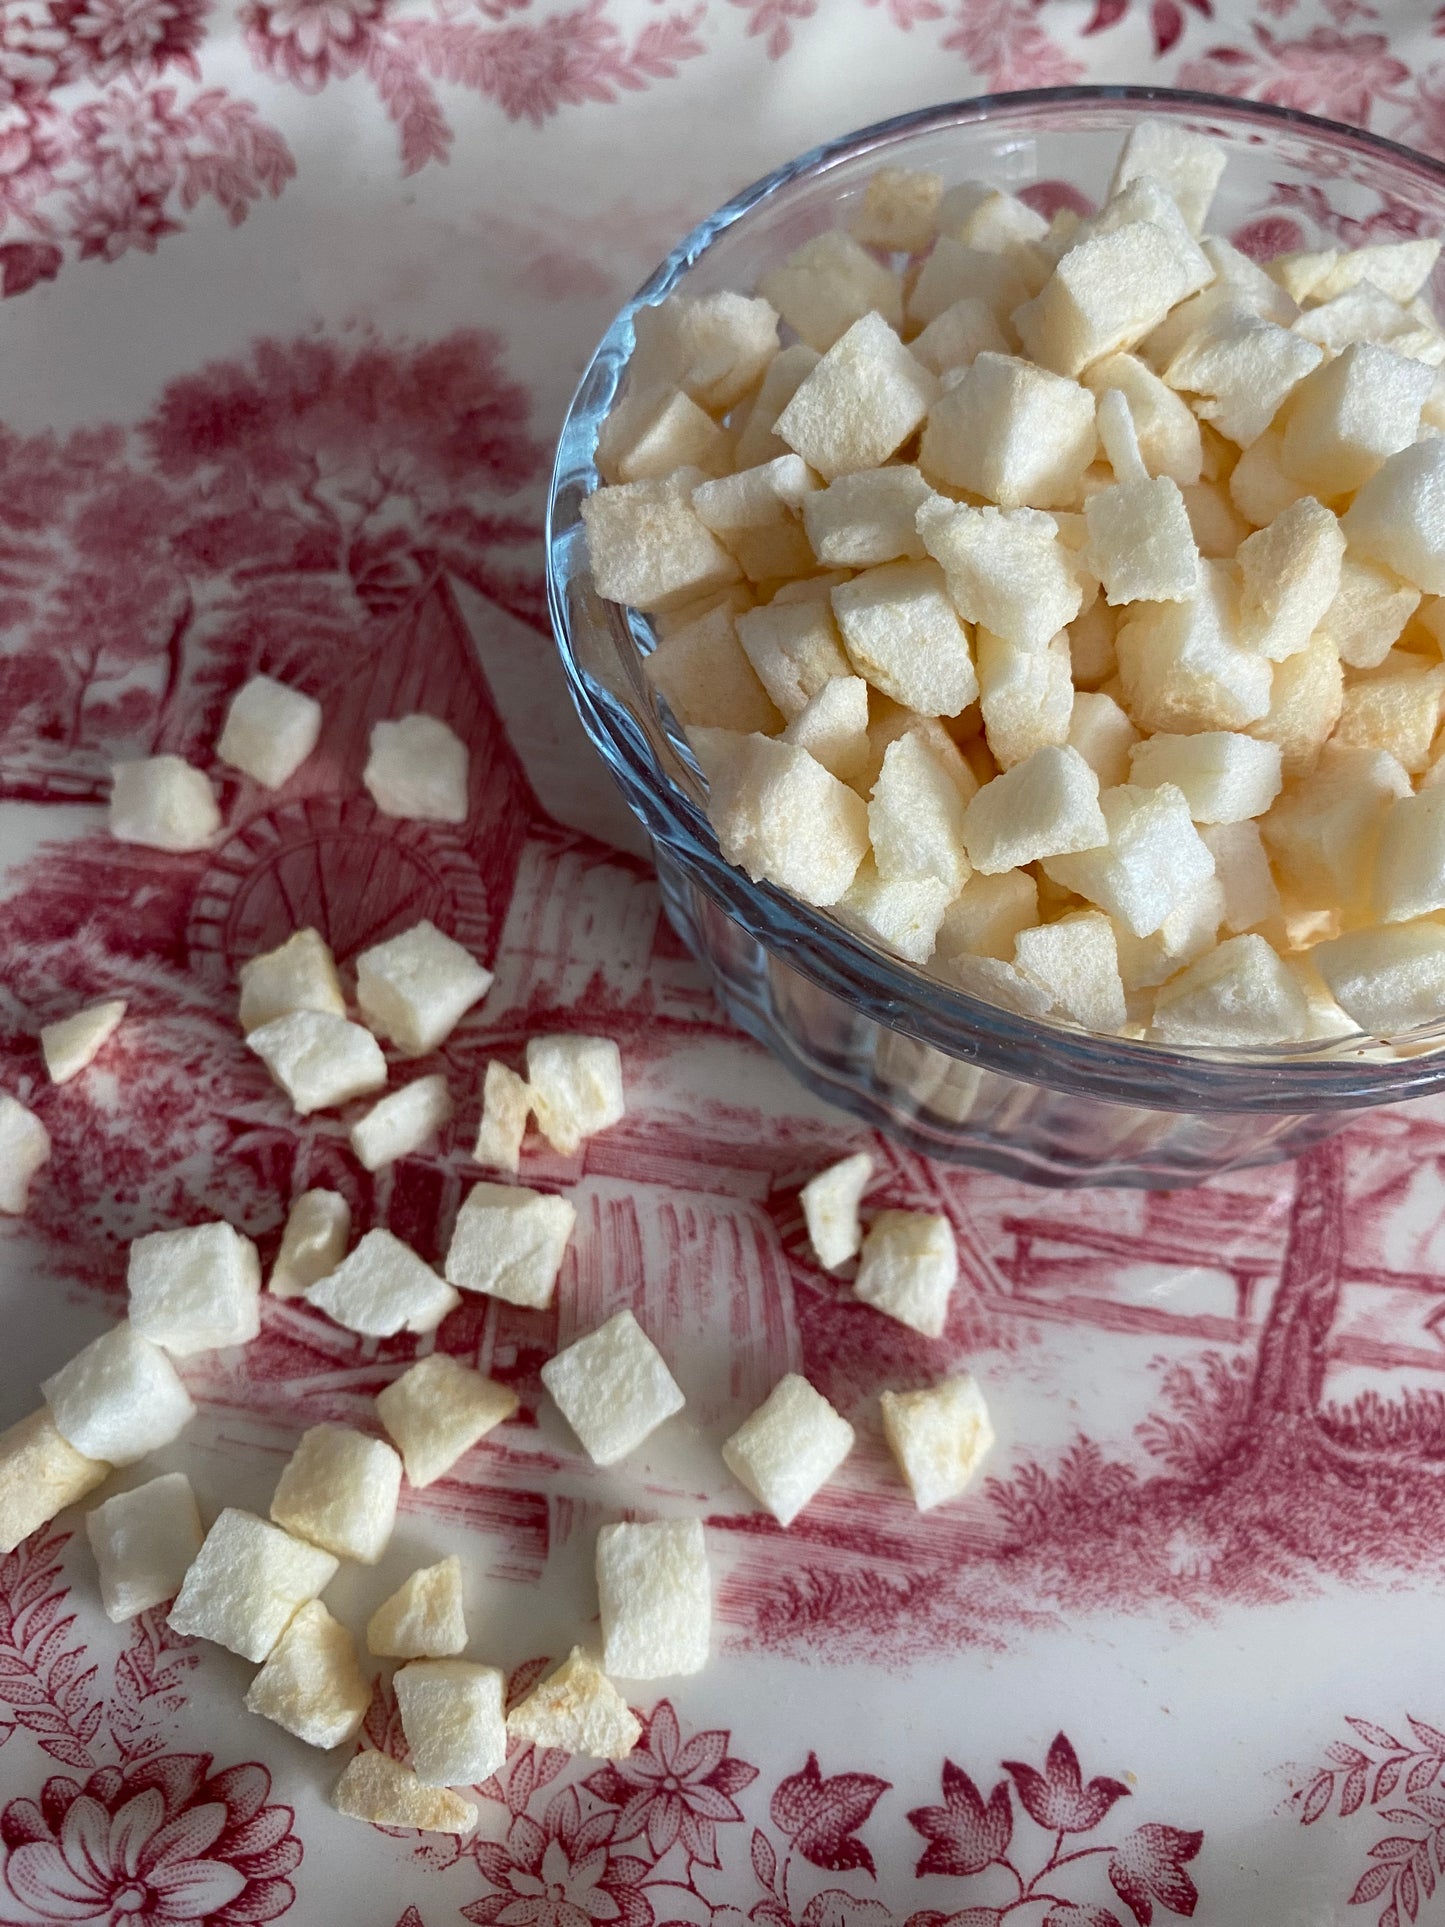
(1057, 1798)
(1071, 1916)
(114, 218)
(139, 38)
(821, 1817)
(1150, 1866)
(1324, 72)
(310, 41)
(561, 1873)
(134, 135)
(672, 1789)
(154, 1843)
(964, 1835)
(32, 50)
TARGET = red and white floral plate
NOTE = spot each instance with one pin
(295, 298)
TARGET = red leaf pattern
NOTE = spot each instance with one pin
(1149, 1867)
(821, 1817)
(1057, 1798)
(964, 1835)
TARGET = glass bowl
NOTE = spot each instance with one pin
(939, 1070)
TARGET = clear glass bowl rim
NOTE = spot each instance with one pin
(1333, 1074)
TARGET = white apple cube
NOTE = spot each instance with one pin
(1410, 862)
(1369, 612)
(1260, 487)
(576, 1085)
(703, 675)
(787, 372)
(908, 1269)
(954, 271)
(41, 1473)
(384, 1793)
(1042, 807)
(1305, 699)
(794, 649)
(1351, 414)
(1190, 929)
(1399, 269)
(782, 817)
(162, 803)
(509, 1243)
(319, 1061)
(1106, 294)
(195, 1290)
(900, 913)
(119, 1398)
(1241, 367)
(988, 913)
(1362, 313)
(987, 218)
(860, 404)
(1006, 568)
(653, 431)
(1388, 979)
(1166, 426)
(506, 1107)
(423, 1618)
(754, 513)
(830, 1209)
(437, 1411)
(415, 988)
(900, 206)
(994, 982)
(655, 1592)
(417, 770)
(24, 1148)
(75, 1042)
(1225, 777)
(1219, 527)
(312, 1684)
(955, 338)
(1153, 857)
(647, 546)
(1289, 576)
(1188, 165)
(402, 1123)
(1396, 708)
(144, 1542)
(1026, 695)
(1141, 544)
(833, 727)
(1182, 665)
(915, 817)
(1396, 518)
(940, 1437)
(577, 1710)
(382, 1288)
(1240, 994)
(1241, 868)
(1103, 735)
(247, 1583)
(613, 1388)
(453, 1713)
(339, 1490)
(1076, 959)
(299, 975)
(903, 635)
(715, 346)
(867, 517)
(270, 731)
(789, 1448)
(1323, 832)
(827, 285)
(313, 1243)
(1011, 432)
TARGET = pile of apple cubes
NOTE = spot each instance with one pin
(253, 1584)
(1086, 648)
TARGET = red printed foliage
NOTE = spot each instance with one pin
(45, 1683)
(965, 1834)
(1057, 1798)
(821, 1817)
(1401, 1780)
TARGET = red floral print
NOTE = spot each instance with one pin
(1404, 1780)
(1057, 1798)
(309, 42)
(141, 38)
(1345, 76)
(162, 1840)
(671, 1789)
(965, 1834)
(561, 1873)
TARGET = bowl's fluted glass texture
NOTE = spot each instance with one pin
(944, 1072)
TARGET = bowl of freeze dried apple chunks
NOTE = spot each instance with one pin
(1001, 557)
